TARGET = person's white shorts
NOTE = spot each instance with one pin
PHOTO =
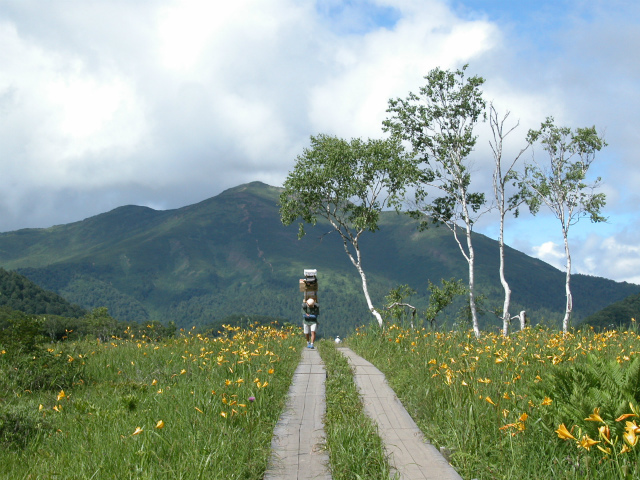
(309, 328)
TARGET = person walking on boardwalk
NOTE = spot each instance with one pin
(310, 313)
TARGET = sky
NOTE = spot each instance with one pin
(166, 103)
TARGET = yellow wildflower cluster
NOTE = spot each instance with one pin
(223, 375)
(499, 371)
(606, 442)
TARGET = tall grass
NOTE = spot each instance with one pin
(356, 451)
(186, 408)
(499, 404)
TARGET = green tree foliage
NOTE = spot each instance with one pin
(101, 324)
(349, 184)
(17, 292)
(620, 315)
(560, 183)
(396, 307)
(442, 297)
(19, 333)
(25, 361)
(439, 123)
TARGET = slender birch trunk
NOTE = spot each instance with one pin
(499, 182)
(357, 262)
(472, 285)
(367, 297)
(569, 308)
(471, 254)
(506, 316)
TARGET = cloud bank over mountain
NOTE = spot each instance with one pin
(165, 103)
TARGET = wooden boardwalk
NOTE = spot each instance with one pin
(298, 443)
(411, 456)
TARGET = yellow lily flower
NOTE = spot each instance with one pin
(632, 427)
(605, 433)
(587, 442)
(563, 433)
(630, 437)
(595, 416)
(625, 416)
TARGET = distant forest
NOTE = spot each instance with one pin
(19, 293)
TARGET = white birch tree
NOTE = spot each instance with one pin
(439, 122)
(504, 174)
(348, 183)
(560, 183)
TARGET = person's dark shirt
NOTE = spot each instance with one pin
(310, 310)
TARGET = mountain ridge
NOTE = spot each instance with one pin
(230, 254)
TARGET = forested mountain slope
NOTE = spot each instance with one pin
(618, 315)
(19, 293)
(230, 255)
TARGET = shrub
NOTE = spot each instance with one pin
(20, 425)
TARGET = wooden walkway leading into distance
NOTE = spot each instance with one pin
(298, 442)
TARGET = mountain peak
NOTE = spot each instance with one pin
(256, 188)
(231, 254)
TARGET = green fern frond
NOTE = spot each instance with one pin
(579, 388)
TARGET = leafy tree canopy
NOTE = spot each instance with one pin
(346, 182)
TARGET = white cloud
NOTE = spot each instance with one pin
(167, 102)
(386, 63)
(64, 115)
(551, 253)
(610, 257)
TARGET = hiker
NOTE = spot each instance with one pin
(310, 312)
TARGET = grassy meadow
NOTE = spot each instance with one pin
(535, 405)
(184, 408)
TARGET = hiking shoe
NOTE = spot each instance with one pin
(308, 344)
(311, 346)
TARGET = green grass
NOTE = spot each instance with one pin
(185, 408)
(497, 403)
(356, 451)
(194, 407)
